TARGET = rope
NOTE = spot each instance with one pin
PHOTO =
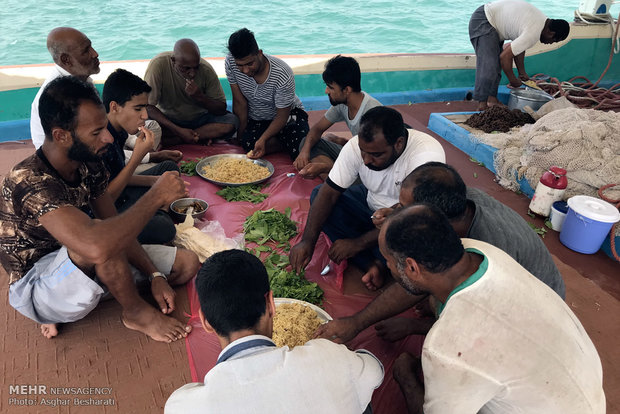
(585, 94)
(612, 234)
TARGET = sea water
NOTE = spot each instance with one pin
(127, 30)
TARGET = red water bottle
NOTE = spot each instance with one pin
(550, 189)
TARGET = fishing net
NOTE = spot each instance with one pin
(585, 142)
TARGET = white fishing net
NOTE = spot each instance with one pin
(585, 142)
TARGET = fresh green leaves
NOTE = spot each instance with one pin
(271, 230)
(475, 161)
(247, 192)
(541, 231)
(189, 167)
(263, 226)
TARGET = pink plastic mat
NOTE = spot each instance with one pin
(294, 192)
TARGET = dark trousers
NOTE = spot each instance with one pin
(349, 219)
(290, 136)
(485, 40)
(160, 228)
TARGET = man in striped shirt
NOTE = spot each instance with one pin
(271, 116)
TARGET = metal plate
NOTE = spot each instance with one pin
(214, 158)
(323, 316)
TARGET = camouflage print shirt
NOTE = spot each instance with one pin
(32, 189)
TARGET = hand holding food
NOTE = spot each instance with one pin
(380, 215)
(170, 186)
(339, 330)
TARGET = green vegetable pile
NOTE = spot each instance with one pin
(270, 225)
(270, 230)
(247, 192)
(189, 167)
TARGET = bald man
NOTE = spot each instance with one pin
(74, 55)
(187, 98)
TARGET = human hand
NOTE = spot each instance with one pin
(343, 249)
(259, 149)
(339, 330)
(170, 187)
(144, 142)
(515, 83)
(164, 295)
(163, 155)
(192, 89)
(302, 160)
(189, 136)
(300, 255)
(524, 77)
(379, 216)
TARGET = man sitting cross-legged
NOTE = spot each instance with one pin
(251, 374)
(60, 261)
(187, 99)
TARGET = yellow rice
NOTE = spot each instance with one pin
(234, 170)
(294, 324)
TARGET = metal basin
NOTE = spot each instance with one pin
(214, 158)
(182, 204)
(520, 98)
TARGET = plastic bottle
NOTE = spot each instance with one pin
(550, 189)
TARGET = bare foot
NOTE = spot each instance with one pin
(49, 330)
(493, 101)
(373, 278)
(152, 323)
(395, 329)
(314, 169)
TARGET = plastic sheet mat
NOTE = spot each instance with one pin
(294, 192)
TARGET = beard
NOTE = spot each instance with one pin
(334, 102)
(82, 153)
(389, 162)
(407, 284)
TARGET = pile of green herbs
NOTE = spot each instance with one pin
(188, 167)
(247, 192)
(272, 230)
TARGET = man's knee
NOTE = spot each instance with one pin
(186, 265)
(314, 193)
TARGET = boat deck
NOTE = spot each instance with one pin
(137, 375)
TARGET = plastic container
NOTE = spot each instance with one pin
(549, 189)
(558, 215)
(587, 223)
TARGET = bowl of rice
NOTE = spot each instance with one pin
(296, 321)
(234, 170)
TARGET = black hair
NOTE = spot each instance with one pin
(560, 28)
(387, 120)
(121, 86)
(242, 44)
(423, 233)
(438, 184)
(343, 71)
(231, 287)
(60, 101)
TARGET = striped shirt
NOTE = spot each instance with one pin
(278, 90)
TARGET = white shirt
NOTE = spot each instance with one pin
(516, 20)
(36, 130)
(318, 377)
(507, 343)
(384, 186)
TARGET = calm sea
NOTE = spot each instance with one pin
(124, 30)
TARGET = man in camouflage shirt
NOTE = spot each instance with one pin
(59, 260)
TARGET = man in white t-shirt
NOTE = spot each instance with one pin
(493, 23)
(503, 342)
(252, 375)
(342, 76)
(73, 55)
(381, 156)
